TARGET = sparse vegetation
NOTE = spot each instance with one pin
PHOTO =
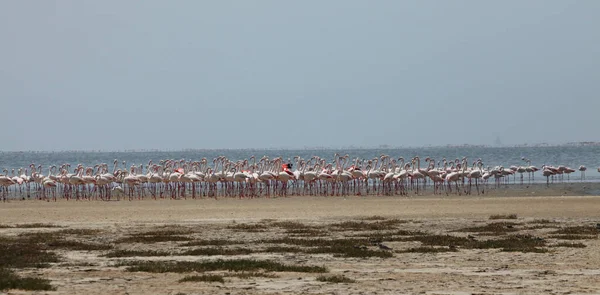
(38, 237)
(577, 230)
(542, 221)
(159, 234)
(153, 239)
(503, 216)
(352, 251)
(522, 243)
(569, 245)
(572, 237)
(316, 242)
(440, 240)
(230, 265)
(55, 241)
(361, 238)
(204, 278)
(135, 253)
(516, 243)
(525, 250)
(389, 224)
(290, 225)
(217, 251)
(335, 279)
(249, 227)
(279, 249)
(17, 253)
(10, 280)
(428, 250)
(495, 228)
(389, 236)
(306, 232)
(166, 232)
(36, 225)
(374, 217)
(213, 242)
(78, 231)
(247, 275)
(76, 245)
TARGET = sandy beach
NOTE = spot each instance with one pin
(560, 264)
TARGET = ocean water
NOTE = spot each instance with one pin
(571, 156)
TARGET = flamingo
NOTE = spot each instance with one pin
(49, 184)
(475, 174)
(5, 182)
(582, 169)
(418, 173)
(547, 172)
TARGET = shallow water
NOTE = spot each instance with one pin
(506, 156)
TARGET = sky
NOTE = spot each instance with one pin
(120, 75)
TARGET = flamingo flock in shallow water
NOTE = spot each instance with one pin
(264, 177)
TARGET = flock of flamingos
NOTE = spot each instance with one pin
(253, 177)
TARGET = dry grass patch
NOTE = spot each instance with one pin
(10, 280)
(38, 237)
(159, 234)
(428, 250)
(152, 239)
(298, 228)
(306, 232)
(135, 253)
(248, 275)
(279, 249)
(503, 216)
(289, 225)
(366, 226)
(76, 245)
(166, 232)
(518, 243)
(56, 241)
(338, 247)
(572, 237)
(373, 218)
(217, 251)
(495, 228)
(569, 245)
(317, 242)
(237, 265)
(16, 253)
(542, 221)
(249, 227)
(204, 278)
(36, 225)
(577, 230)
(440, 240)
(389, 236)
(212, 242)
(345, 251)
(79, 231)
(335, 279)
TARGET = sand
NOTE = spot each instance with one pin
(562, 270)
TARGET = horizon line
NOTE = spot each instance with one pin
(382, 146)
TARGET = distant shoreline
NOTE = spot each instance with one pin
(350, 148)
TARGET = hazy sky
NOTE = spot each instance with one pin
(116, 75)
